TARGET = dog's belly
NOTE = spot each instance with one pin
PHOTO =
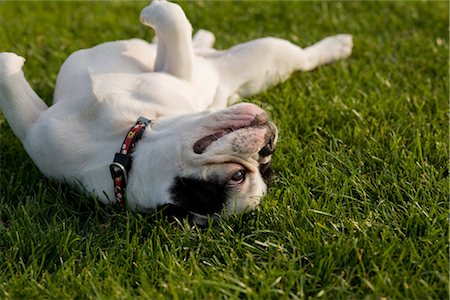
(131, 57)
(122, 71)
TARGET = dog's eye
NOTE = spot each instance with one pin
(238, 177)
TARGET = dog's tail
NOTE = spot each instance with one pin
(19, 103)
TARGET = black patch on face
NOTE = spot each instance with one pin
(199, 196)
(266, 173)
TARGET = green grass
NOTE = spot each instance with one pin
(359, 208)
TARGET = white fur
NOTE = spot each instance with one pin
(182, 84)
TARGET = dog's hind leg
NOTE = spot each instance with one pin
(174, 54)
(326, 51)
(18, 102)
(249, 68)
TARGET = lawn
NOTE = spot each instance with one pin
(359, 207)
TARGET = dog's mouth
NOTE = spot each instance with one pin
(203, 143)
(260, 121)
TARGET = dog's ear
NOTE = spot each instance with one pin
(199, 196)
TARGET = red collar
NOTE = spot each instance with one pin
(121, 164)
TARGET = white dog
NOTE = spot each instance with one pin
(195, 153)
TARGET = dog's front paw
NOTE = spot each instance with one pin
(161, 14)
(10, 63)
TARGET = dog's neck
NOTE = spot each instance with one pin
(150, 179)
(122, 163)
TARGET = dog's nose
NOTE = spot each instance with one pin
(269, 148)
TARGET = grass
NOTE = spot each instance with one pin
(359, 208)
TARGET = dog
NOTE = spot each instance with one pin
(148, 124)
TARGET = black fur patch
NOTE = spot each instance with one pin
(266, 173)
(199, 196)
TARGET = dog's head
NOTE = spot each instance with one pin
(214, 162)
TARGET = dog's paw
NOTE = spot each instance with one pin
(10, 63)
(337, 47)
(203, 39)
(343, 45)
(161, 14)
